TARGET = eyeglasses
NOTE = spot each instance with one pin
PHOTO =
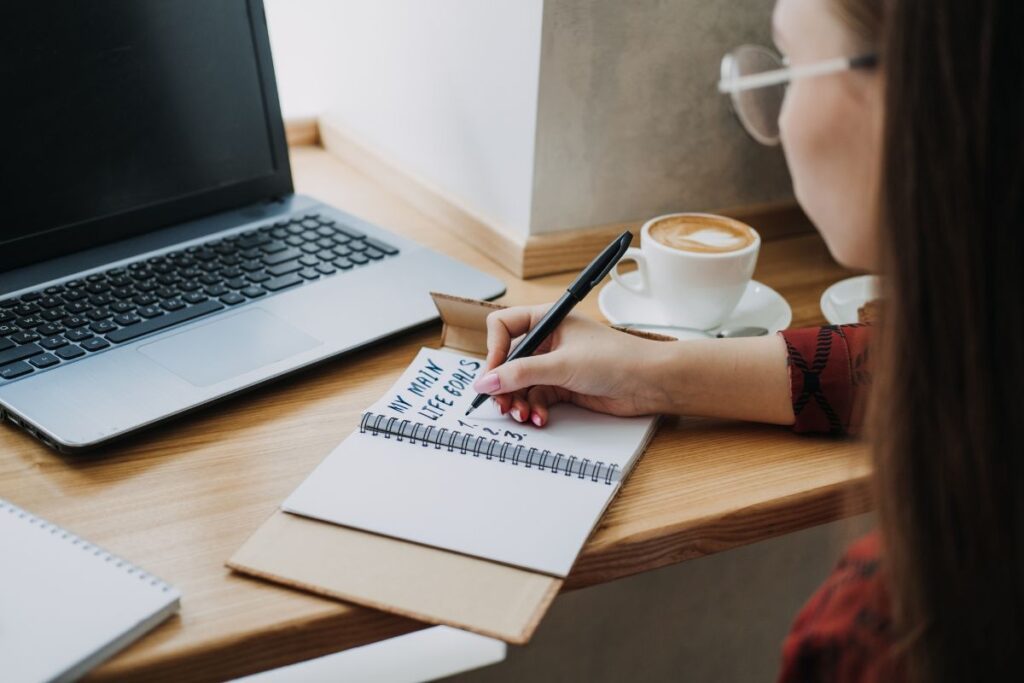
(756, 78)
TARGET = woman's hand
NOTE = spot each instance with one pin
(602, 369)
(582, 362)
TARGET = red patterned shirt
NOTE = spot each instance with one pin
(843, 633)
(828, 376)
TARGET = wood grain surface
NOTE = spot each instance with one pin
(178, 500)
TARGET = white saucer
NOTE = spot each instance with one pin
(760, 306)
(840, 302)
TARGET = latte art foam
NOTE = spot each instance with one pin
(710, 234)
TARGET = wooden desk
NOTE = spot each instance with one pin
(180, 499)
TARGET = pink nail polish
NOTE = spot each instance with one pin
(535, 419)
(517, 414)
(487, 384)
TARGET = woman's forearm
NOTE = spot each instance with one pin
(743, 379)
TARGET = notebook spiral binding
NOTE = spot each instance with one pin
(489, 448)
(96, 551)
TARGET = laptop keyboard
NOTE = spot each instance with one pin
(51, 326)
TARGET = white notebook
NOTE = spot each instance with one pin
(486, 485)
(66, 605)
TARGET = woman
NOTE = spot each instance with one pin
(909, 162)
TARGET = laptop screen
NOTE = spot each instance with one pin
(123, 116)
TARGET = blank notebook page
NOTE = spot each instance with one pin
(485, 485)
(66, 605)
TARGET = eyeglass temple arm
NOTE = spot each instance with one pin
(780, 76)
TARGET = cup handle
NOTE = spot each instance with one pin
(636, 255)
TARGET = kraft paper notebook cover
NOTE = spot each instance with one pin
(446, 520)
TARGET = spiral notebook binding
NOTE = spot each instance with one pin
(465, 443)
(84, 545)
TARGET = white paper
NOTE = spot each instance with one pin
(453, 500)
(64, 606)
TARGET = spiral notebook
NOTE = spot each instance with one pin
(65, 604)
(484, 485)
(427, 514)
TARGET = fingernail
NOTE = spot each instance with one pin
(487, 384)
(517, 414)
(535, 419)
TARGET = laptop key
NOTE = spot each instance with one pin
(273, 247)
(22, 310)
(15, 370)
(164, 321)
(282, 282)
(232, 298)
(252, 292)
(150, 311)
(7, 328)
(96, 343)
(50, 301)
(122, 319)
(309, 273)
(173, 305)
(69, 352)
(382, 246)
(102, 327)
(77, 335)
(19, 353)
(50, 329)
(358, 258)
(6, 343)
(375, 254)
(284, 268)
(76, 308)
(342, 263)
(52, 343)
(351, 232)
(44, 361)
(257, 277)
(195, 297)
(281, 257)
(25, 337)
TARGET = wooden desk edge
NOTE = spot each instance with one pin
(353, 626)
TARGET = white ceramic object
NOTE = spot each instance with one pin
(840, 302)
(692, 289)
(759, 306)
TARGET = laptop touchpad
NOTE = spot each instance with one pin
(230, 347)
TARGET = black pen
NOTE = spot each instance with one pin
(579, 289)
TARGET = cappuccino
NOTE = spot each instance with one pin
(702, 234)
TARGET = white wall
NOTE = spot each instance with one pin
(446, 89)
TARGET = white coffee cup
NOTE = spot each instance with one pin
(699, 284)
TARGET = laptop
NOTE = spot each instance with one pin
(153, 255)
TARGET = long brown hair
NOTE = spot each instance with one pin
(946, 416)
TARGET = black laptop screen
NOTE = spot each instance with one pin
(125, 115)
